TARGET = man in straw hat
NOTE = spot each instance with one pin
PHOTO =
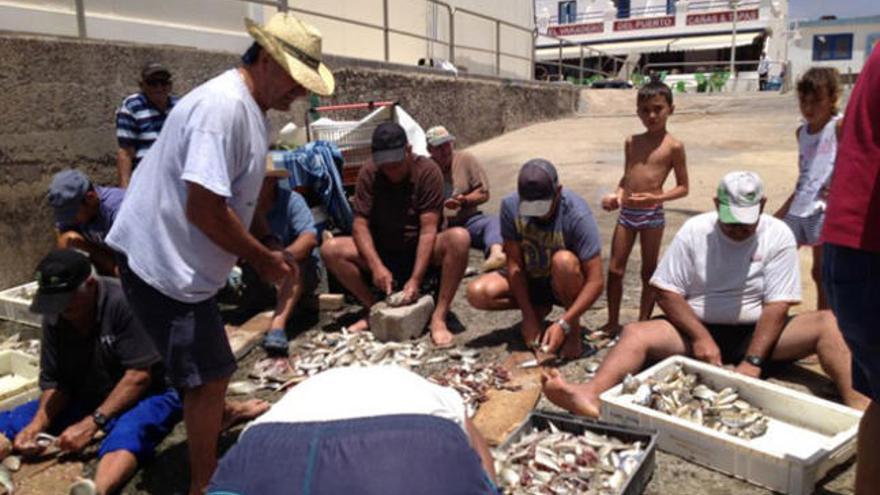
(186, 217)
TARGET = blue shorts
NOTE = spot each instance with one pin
(485, 230)
(191, 338)
(642, 218)
(137, 430)
(851, 278)
(806, 230)
(384, 455)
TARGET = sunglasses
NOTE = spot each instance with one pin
(158, 82)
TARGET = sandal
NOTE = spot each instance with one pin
(275, 342)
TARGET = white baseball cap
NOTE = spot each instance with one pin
(739, 197)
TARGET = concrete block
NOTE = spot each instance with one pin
(400, 323)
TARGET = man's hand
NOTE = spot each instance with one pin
(748, 369)
(272, 268)
(383, 280)
(452, 204)
(707, 350)
(24, 441)
(531, 332)
(554, 336)
(610, 202)
(77, 436)
(410, 291)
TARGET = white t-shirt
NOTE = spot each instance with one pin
(725, 281)
(816, 156)
(217, 137)
(355, 392)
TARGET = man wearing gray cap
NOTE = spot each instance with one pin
(187, 215)
(140, 118)
(395, 235)
(725, 285)
(553, 258)
(84, 214)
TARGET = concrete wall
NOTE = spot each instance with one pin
(59, 95)
(217, 25)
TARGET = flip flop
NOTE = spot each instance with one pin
(275, 342)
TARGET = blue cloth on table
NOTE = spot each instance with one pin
(316, 165)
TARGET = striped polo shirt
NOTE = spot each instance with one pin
(138, 123)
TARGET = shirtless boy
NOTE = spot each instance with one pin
(650, 157)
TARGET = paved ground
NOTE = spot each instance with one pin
(721, 133)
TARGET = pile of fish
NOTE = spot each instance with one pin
(557, 462)
(15, 342)
(681, 394)
(473, 380)
(332, 350)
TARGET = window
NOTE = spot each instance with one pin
(832, 46)
(567, 12)
(670, 7)
(623, 9)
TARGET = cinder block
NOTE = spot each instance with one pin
(400, 323)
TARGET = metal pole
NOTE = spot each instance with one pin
(581, 67)
(80, 18)
(283, 6)
(451, 34)
(385, 34)
(735, 5)
(497, 47)
(559, 62)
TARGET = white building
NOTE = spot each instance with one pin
(492, 37)
(844, 44)
(676, 37)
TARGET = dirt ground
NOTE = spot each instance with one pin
(721, 133)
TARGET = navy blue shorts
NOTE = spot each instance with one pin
(191, 338)
(137, 430)
(384, 455)
(485, 230)
(851, 278)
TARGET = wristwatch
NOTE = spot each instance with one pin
(99, 420)
(566, 328)
(754, 360)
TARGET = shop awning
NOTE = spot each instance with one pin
(671, 44)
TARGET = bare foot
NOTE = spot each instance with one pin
(611, 329)
(440, 334)
(235, 412)
(359, 326)
(576, 398)
(573, 347)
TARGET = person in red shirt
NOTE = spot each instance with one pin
(851, 263)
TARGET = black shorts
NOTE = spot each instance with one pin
(732, 340)
(191, 338)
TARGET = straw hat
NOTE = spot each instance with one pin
(296, 46)
(273, 171)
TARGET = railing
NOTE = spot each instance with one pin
(705, 5)
(646, 11)
(585, 52)
(581, 17)
(388, 30)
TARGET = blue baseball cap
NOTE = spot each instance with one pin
(537, 185)
(66, 194)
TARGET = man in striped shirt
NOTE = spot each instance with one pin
(140, 118)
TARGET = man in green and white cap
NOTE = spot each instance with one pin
(725, 284)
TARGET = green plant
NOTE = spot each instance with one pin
(718, 80)
(637, 79)
(702, 82)
(680, 87)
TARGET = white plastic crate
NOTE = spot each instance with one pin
(14, 304)
(19, 373)
(806, 435)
